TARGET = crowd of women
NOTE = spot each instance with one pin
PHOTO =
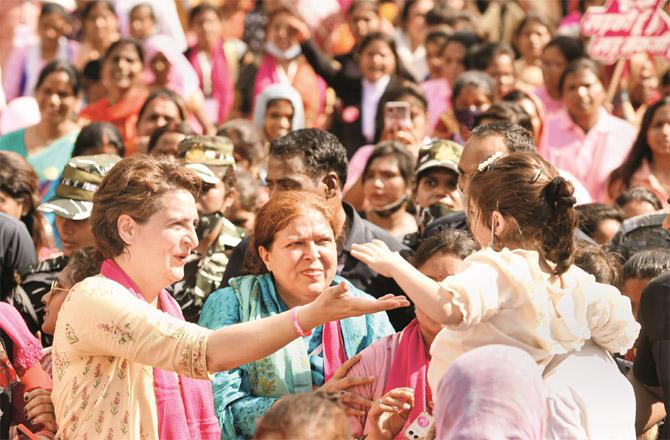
(381, 219)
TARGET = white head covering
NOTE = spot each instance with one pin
(279, 91)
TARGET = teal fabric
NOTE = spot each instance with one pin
(243, 395)
(49, 162)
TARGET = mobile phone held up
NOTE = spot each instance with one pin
(397, 116)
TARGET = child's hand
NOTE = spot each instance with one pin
(378, 257)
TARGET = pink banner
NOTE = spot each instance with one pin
(622, 28)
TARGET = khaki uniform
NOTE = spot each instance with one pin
(213, 265)
(209, 157)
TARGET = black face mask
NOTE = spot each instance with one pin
(207, 223)
(466, 116)
(431, 213)
(391, 207)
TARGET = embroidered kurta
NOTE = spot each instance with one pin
(105, 347)
(243, 395)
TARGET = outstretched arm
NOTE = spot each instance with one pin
(263, 337)
(427, 294)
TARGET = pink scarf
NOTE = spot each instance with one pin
(409, 369)
(222, 84)
(489, 391)
(27, 349)
(312, 88)
(182, 79)
(333, 349)
(185, 406)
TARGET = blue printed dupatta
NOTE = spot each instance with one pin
(286, 371)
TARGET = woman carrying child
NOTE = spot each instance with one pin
(521, 289)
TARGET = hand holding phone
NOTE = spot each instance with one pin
(397, 116)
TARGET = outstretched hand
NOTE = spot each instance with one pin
(336, 303)
(340, 383)
(378, 257)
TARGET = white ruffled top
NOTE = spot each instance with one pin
(506, 298)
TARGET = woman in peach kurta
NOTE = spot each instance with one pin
(105, 345)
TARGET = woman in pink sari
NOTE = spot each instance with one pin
(556, 55)
(216, 62)
(283, 63)
(399, 362)
(24, 385)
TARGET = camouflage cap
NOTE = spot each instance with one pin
(204, 173)
(439, 153)
(207, 150)
(79, 181)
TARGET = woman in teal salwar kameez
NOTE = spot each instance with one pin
(293, 257)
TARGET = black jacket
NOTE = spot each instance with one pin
(347, 83)
(17, 251)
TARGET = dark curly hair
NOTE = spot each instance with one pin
(321, 152)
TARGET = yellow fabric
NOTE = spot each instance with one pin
(106, 344)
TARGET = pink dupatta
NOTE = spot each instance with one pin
(312, 88)
(185, 405)
(333, 349)
(223, 89)
(27, 348)
(409, 369)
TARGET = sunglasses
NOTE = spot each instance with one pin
(55, 288)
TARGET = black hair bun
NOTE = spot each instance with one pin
(558, 193)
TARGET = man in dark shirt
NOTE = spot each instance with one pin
(314, 160)
(17, 251)
(652, 360)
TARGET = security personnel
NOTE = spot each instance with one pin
(211, 157)
(435, 196)
(72, 205)
(641, 233)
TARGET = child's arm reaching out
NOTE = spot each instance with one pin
(428, 295)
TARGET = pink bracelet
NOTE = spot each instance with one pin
(296, 325)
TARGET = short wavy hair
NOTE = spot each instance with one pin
(135, 186)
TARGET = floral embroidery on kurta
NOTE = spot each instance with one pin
(122, 331)
(105, 376)
(69, 334)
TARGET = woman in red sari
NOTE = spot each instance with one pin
(122, 75)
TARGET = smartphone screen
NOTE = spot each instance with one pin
(397, 115)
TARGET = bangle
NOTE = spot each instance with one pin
(296, 325)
